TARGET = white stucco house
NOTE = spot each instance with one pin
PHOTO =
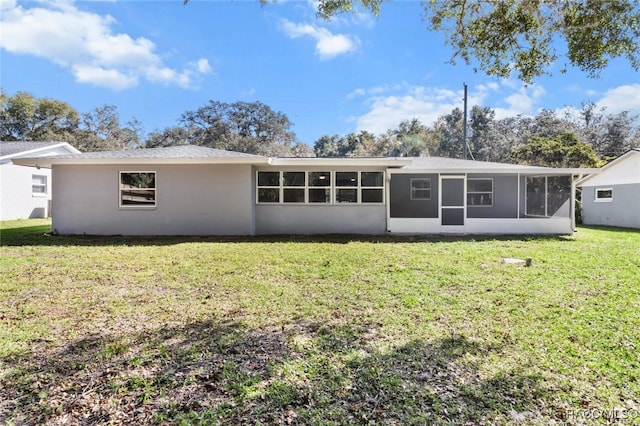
(25, 192)
(192, 190)
(612, 197)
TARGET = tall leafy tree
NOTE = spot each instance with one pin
(25, 117)
(100, 130)
(502, 37)
(564, 150)
(449, 129)
(251, 127)
(480, 126)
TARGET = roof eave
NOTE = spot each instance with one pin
(71, 149)
(48, 162)
(333, 162)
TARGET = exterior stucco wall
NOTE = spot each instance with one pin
(17, 200)
(623, 210)
(321, 219)
(190, 200)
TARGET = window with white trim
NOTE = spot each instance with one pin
(346, 187)
(137, 189)
(420, 188)
(314, 187)
(268, 187)
(319, 190)
(604, 195)
(293, 187)
(479, 192)
(39, 185)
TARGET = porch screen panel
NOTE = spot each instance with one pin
(453, 192)
(558, 193)
(401, 204)
(453, 216)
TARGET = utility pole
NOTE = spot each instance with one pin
(464, 125)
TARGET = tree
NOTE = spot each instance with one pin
(250, 127)
(100, 130)
(480, 125)
(563, 151)
(610, 135)
(449, 129)
(522, 36)
(24, 117)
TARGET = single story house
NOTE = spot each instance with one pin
(25, 192)
(192, 190)
(612, 197)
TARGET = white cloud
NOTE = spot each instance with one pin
(622, 98)
(388, 110)
(388, 105)
(328, 45)
(523, 101)
(85, 43)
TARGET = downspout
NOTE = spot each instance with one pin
(573, 204)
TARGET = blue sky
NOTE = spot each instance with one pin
(155, 60)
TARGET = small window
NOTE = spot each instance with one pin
(604, 195)
(346, 187)
(39, 185)
(293, 187)
(319, 187)
(372, 187)
(268, 187)
(137, 189)
(420, 189)
(479, 192)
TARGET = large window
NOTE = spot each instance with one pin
(137, 189)
(39, 185)
(604, 195)
(420, 189)
(479, 192)
(320, 187)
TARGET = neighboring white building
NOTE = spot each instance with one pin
(193, 190)
(25, 192)
(612, 197)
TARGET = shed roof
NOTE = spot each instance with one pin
(12, 149)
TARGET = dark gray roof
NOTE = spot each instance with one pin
(456, 163)
(14, 148)
(180, 151)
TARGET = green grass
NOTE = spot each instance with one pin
(318, 330)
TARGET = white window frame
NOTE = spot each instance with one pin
(43, 184)
(330, 187)
(599, 199)
(355, 186)
(259, 187)
(302, 187)
(414, 190)
(490, 193)
(362, 188)
(333, 187)
(138, 206)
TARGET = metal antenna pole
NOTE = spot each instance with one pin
(464, 125)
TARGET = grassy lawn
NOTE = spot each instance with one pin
(326, 330)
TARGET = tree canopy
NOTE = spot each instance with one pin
(525, 37)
